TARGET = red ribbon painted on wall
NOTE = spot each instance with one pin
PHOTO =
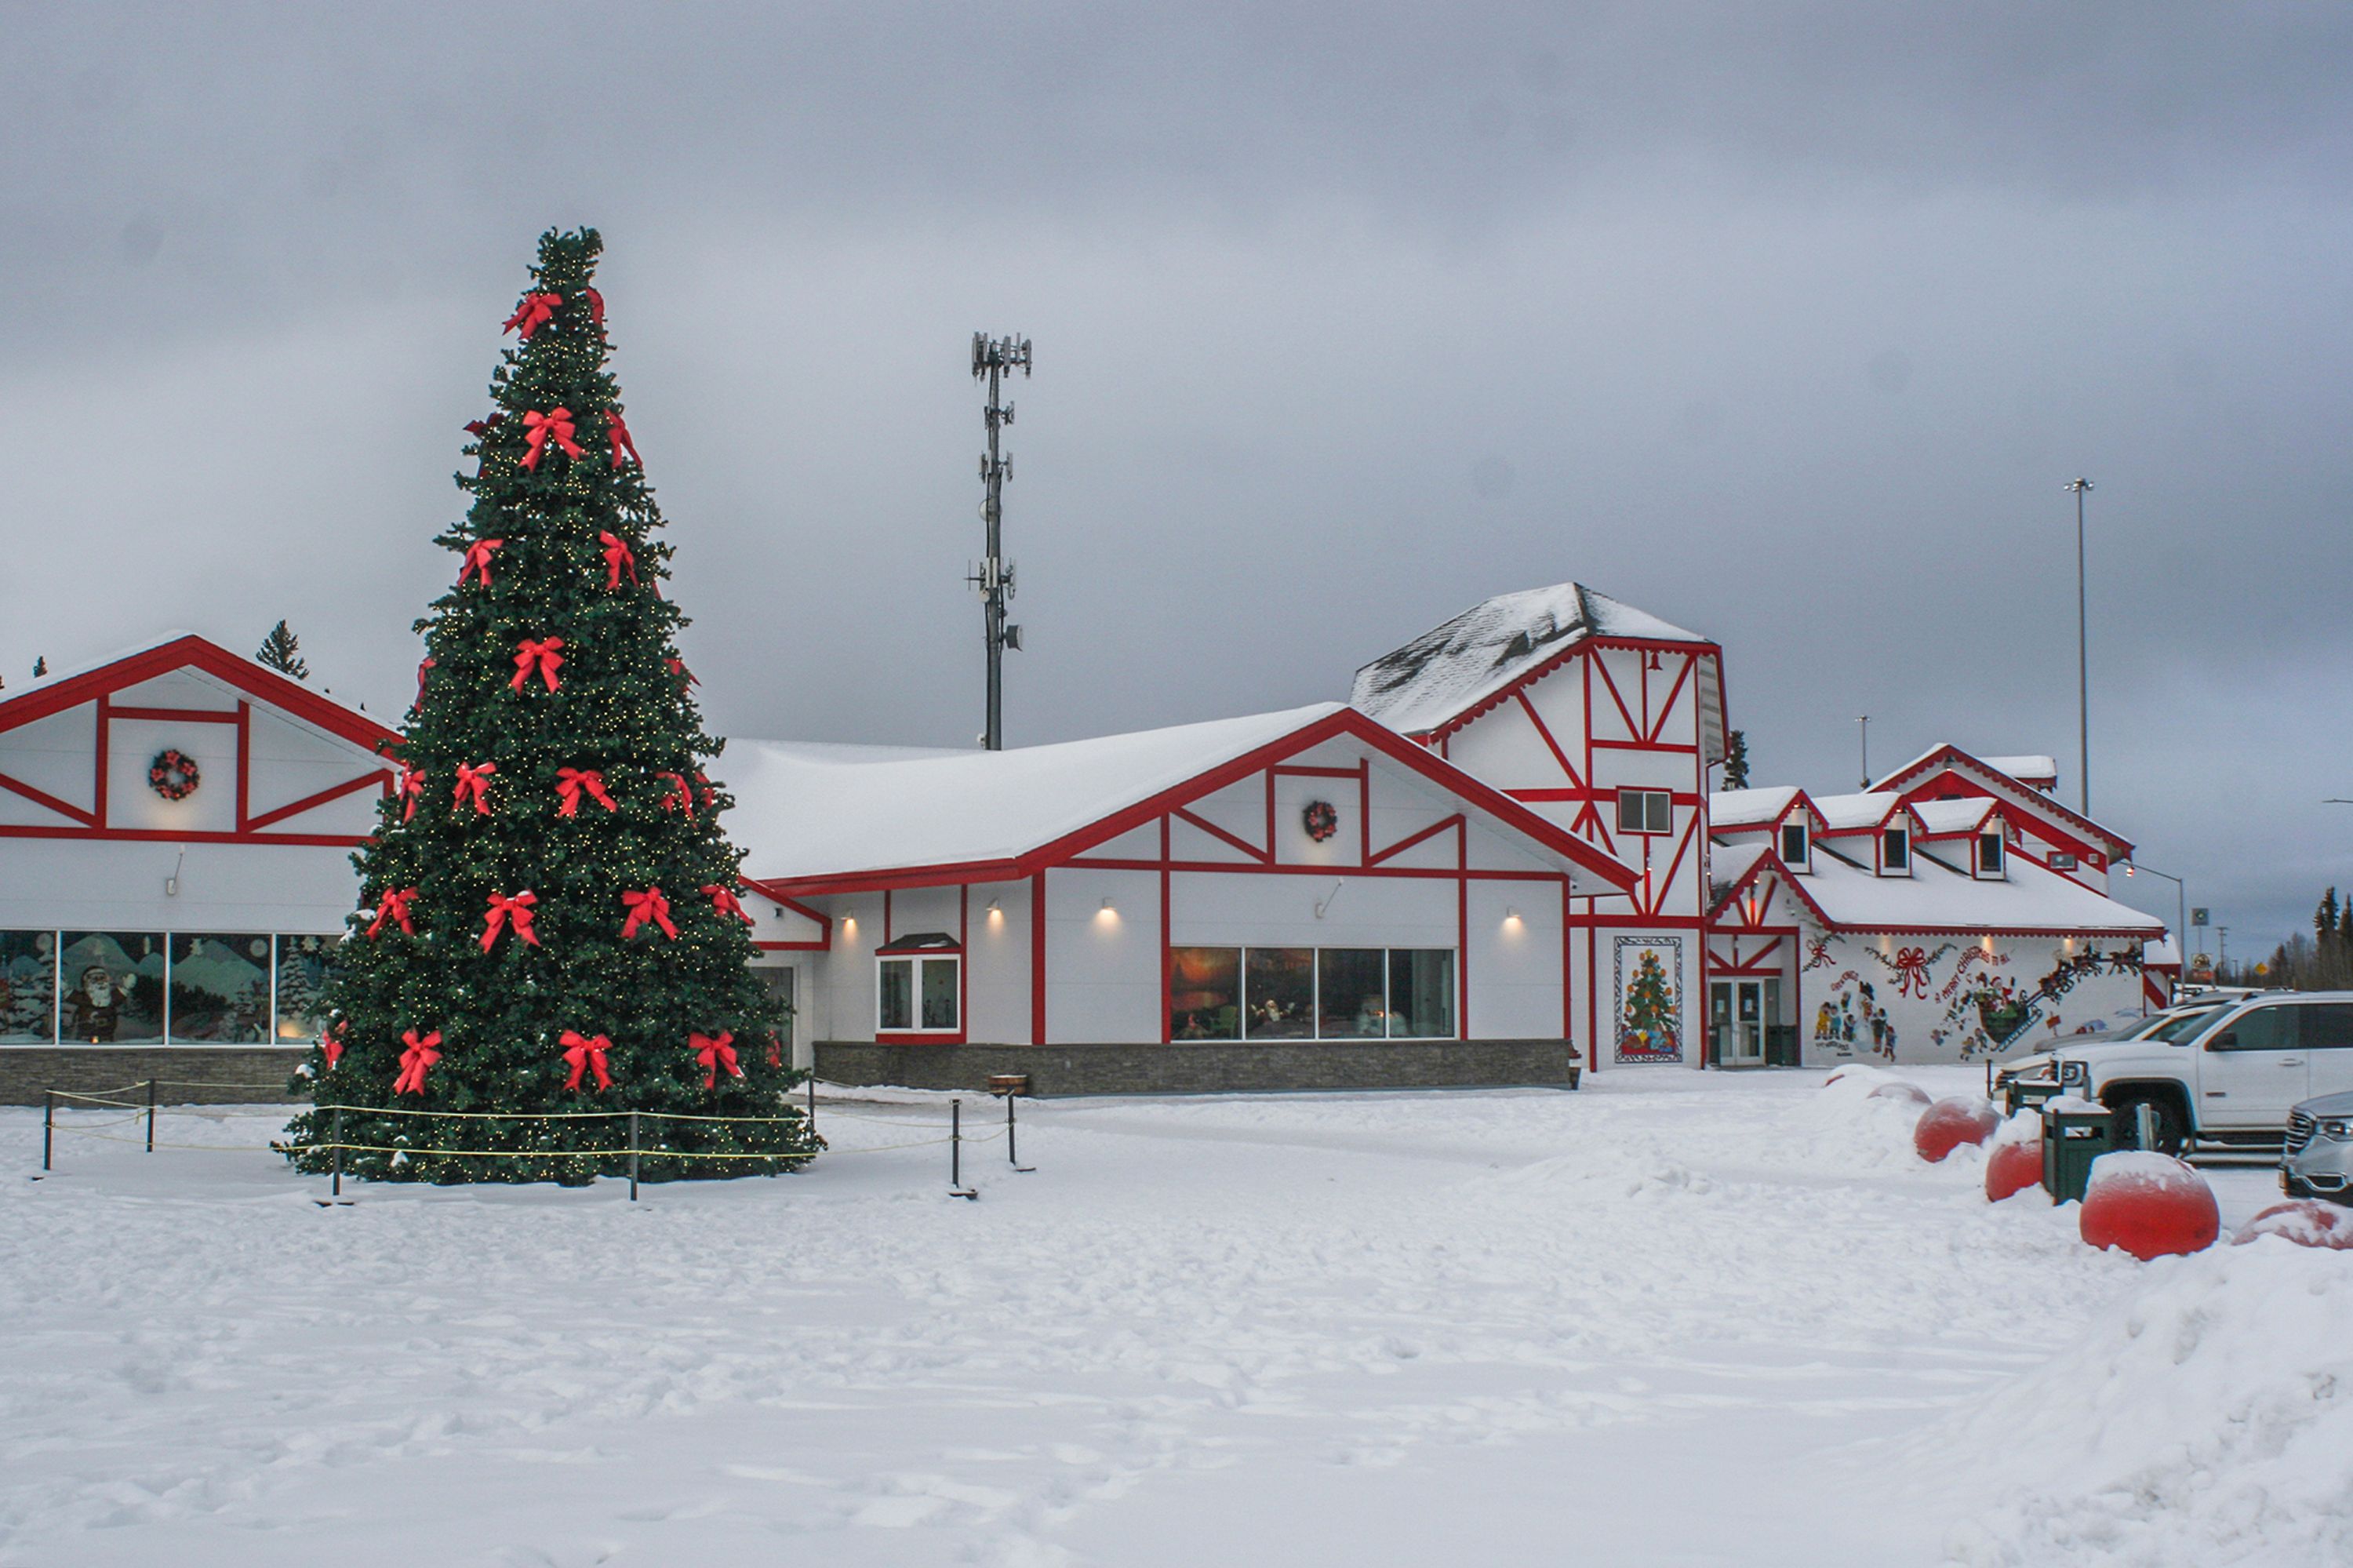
(478, 559)
(503, 910)
(542, 657)
(616, 436)
(419, 1057)
(534, 313)
(649, 906)
(723, 899)
(715, 1051)
(585, 1053)
(392, 907)
(571, 783)
(1912, 971)
(540, 429)
(475, 777)
(618, 558)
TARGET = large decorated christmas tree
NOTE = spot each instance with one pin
(550, 923)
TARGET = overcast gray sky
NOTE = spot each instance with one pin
(1785, 322)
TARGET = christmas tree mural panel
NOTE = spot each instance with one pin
(550, 930)
(1650, 999)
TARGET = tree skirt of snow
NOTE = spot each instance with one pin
(2148, 1205)
(2209, 1421)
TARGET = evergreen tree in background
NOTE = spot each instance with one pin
(1736, 760)
(551, 923)
(282, 651)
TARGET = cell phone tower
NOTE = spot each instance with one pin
(993, 577)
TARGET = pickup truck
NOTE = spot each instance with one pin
(2225, 1074)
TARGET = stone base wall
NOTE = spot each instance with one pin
(187, 1074)
(1194, 1067)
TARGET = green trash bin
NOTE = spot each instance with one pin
(2074, 1133)
(2026, 1094)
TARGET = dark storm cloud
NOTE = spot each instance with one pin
(1786, 322)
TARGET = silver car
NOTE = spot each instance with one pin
(2318, 1157)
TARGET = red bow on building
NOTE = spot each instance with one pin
(535, 312)
(571, 781)
(715, 1053)
(586, 1053)
(477, 777)
(503, 909)
(723, 899)
(412, 787)
(618, 558)
(478, 559)
(680, 798)
(540, 429)
(394, 907)
(419, 1056)
(616, 434)
(543, 655)
(648, 905)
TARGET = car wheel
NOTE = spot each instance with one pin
(2172, 1137)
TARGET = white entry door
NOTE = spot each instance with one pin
(1735, 1016)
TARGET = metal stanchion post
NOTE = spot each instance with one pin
(339, 1152)
(48, 1123)
(633, 1157)
(1010, 1157)
(812, 1110)
(151, 1116)
(957, 1189)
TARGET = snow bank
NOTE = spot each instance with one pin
(2206, 1419)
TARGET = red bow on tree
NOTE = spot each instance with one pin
(540, 429)
(478, 559)
(393, 906)
(502, 909)
(723, 899)
(330, 1044)
(617, 433)
(715, 1053)
(586, 1053)
(702, 787)
(535, 312)
(571, 781)
(477, 777)
(648, 905)
(412, 787)
(617, 560)
(680, 798)
(596, 304)
(544, 654)
(422, 666)
(685, 676)
(483, 427)
(414, 1061)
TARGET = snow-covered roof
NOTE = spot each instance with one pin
(1955, 816)
(2161, 954)
(1727, 866)
(1848, 813)
(1730, 808)
(1455, 667)
(808, 812)
(2035, 769)
(1936, 898)
(2031, 798)
(182, 652)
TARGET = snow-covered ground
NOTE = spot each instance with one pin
(1675, 1318)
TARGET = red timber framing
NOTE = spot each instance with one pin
(824, 943)
(1269, 762)
(96, 690)
(1949, 769)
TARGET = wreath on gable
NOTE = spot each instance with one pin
(1321, 819)
(174, 774)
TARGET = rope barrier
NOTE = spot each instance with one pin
(647, 1152)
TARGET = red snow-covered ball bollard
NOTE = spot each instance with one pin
(2305, 1222)
(1899, 1091)
(1949, 1123)
(2013, 1168)
(2151, 1205)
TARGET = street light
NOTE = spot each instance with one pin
(2180, 906)
(2082, 487)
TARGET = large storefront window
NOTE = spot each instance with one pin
(1307, 993)
(114, 983)
(302, 974)
(220, 989)
(28, 987)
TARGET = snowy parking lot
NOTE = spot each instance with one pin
(1674, 1319)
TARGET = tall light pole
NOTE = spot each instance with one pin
(992, 359)
(2082, 487)
(1862, 722)
(2180, 905)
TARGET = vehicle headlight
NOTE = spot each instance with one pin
(2075, 1072)
(2336, 1129)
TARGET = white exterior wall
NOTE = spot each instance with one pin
(102, 885)
(997, 965)
(1102, 966)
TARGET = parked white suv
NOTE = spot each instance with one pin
(2225, 1074)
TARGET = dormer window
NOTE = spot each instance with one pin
(1990, 852)
(1895, 851)
(1793, 845)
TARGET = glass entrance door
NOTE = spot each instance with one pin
(1735, 1019)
